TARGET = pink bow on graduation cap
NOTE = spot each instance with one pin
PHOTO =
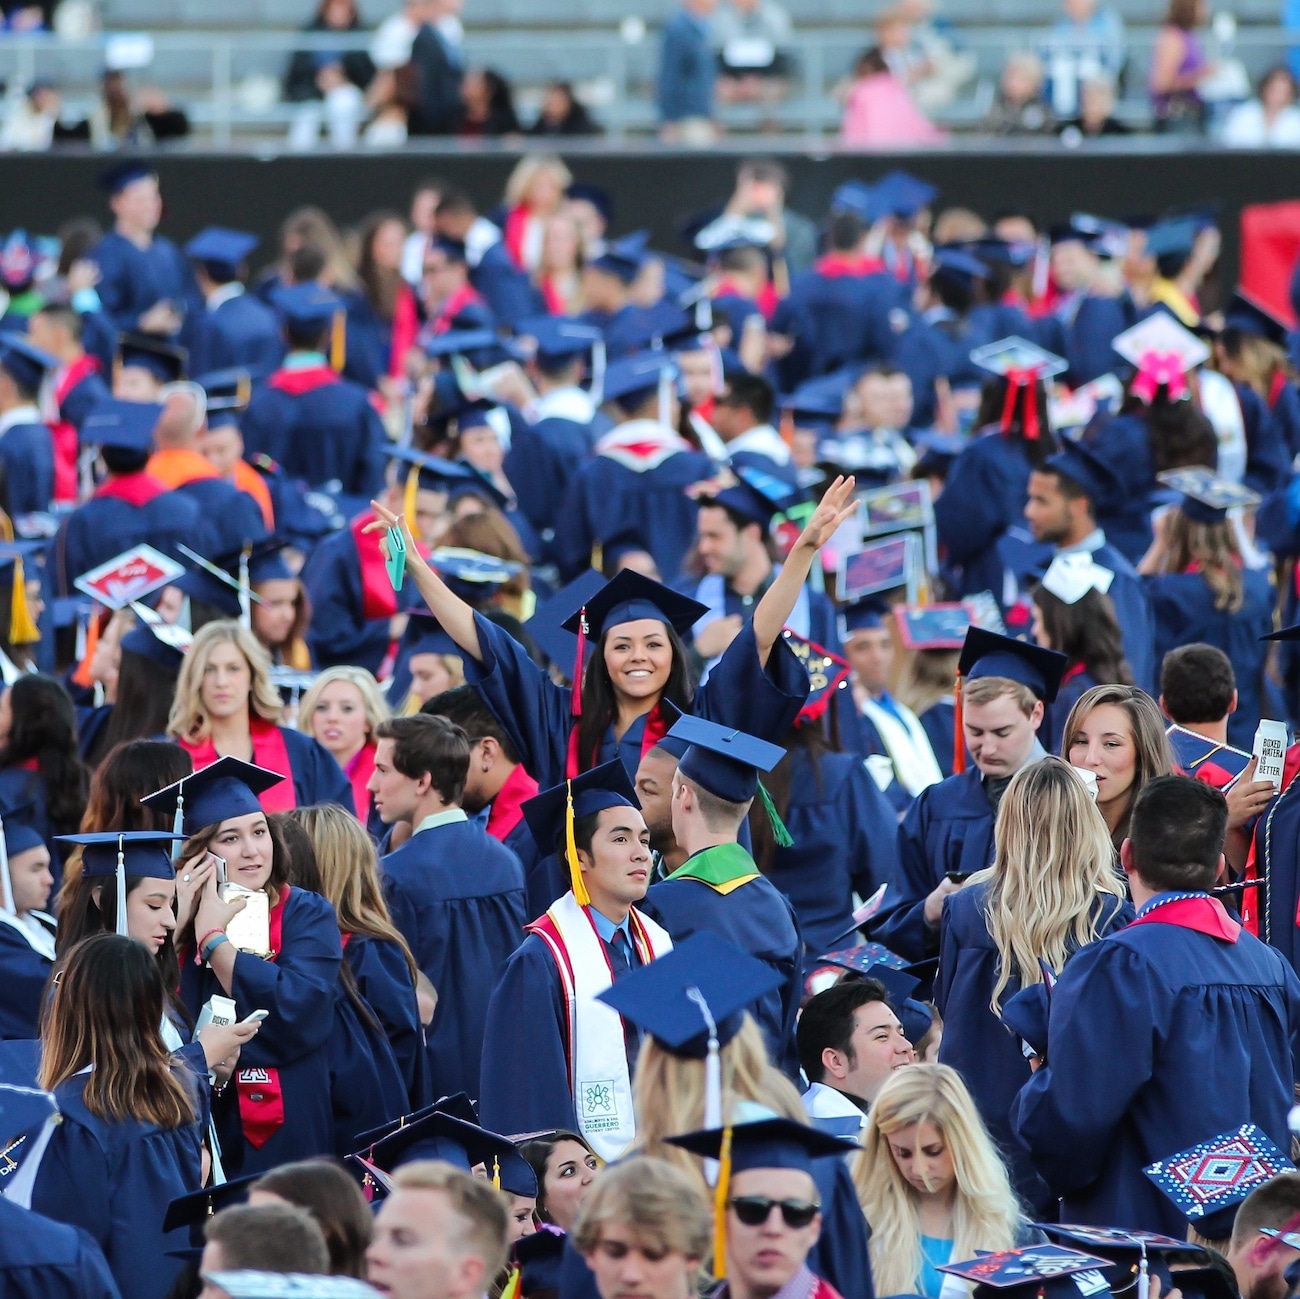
(1154, 369)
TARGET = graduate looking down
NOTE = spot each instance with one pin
(758, 685)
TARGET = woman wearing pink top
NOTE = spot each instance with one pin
(879, 112)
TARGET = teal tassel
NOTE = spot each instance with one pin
(779, 833)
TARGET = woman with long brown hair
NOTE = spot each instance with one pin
(1201, 590)
(129, 1139)
(334, 1199)
(383, 324)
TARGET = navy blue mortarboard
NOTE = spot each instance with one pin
(597, 195)
(546, 625)
(866, 615)
(900, 194)
(629, 596)
(458, 1105)
(986, 654)
(121, 174)
(1173, 238)
(769, 1143)
(857, 197)
(225, 789)
(124, 854)
(622, 258)
(265, 563)
(228, 392)
(557, 337)
(632, 379)
(125, 425)
(592, 791)
(958, 264)
(424, 635)
(223, 250)
(432, 473)
(165, 653)
(19, 833)
(721, 760)
(164, 361)
(1249, 316)
(699, 990)
(307, 306)
(1090, 472)
(453, 249)
(538, 1257)
(194, 1210)
(1000, 252)
(460, 342)
(27, 365)
(23, 1109)
(752, 493)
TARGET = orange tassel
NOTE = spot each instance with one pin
(82, 675)
(959, 731)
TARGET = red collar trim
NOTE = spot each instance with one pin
(835, 266)
(297, 382)
(507, 808)
(135, 489)
(1204, 915)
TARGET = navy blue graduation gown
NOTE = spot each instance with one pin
(366, 1085)
(536, 715)
(508, 291)
(759, 920)
(461, 925)
(233, 516)
(1082, 335)
(1133, 613)
(985, 495)
(1268, 461)
(43, 1259)
(23, 975)
(975, 1042)
(83, 397)
(1183, 608)
(317, 778)
(27, 462)
(243, 332)
(114, 1180)
(939, 722)
(840, 318)
(542, 461)
(1286, 415)
(384, 980)
(1124, 444)
(132, 279)
(339, 633)
(949, 827)
(1144, 1028)
(298, 988)
(862, 736)
(844, 833)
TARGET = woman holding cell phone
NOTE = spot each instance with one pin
(267, 946)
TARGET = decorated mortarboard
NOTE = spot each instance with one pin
(116, 178)
(872, 961)
(1071, 575)
(958, 263)
(122, 425)
(631, 379)
(731, 230)
(164, 361)
(1206, 497)
(124, 854)
(1218, 1174)
(1090, 473)
(26, 363)
(221, 248)
(129, 577)
(551, 813)
(986, 654)
(1014, 355)
(932, 626)
(1195, 753)
(724, 761)
(1115, 1244)
(1163, 352)
(546, 625)
(227, 788)
(1037, 1266)
(629, 596)
(473, 567)
(163, 646)
(1250, 316)
(827, 672)
(881, 564)
(194, 1210)
(694, 995)
(289, 1285)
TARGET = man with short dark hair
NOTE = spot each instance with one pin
(742, 416)
(1146, 1024)
(456, 894)
(265, 1238)
(850, 1042)
(1261, 1262)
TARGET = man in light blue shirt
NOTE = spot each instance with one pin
(687, 72)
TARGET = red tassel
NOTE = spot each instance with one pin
(1021, 382)
(579, 663)
(959, 731)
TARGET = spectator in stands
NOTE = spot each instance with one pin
(879, 113)
(390, 125)
(921, 54)
(1096, 112)
(33, 123)
(22, 16)
(302, 80)
(126, 120)
(562, 113)
(752, 38)
(1088, 41)
(1019, 108)
(487, 105)
(762, 185)
(439, 58)
(687, 72)
(1270, 119)
(534, 194)
(1178, 67)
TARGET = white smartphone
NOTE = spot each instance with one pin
(256, 1017)
(250, 930)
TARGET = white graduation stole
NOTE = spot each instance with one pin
(908, 746)
(598, 1072)
(34, 934)
(1222, 408)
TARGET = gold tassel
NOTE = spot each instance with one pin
(408, 498)
(22, 626)
(496, 1172)
(580, 893)
(339, 342)
(721, 1193)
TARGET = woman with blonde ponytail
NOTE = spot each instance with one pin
(1053, 887)
(931, 1183)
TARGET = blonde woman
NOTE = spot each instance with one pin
(226, 707)
(1052, 888)
(374, 951)
(930, 1183)
(534, 194)
(341, 710)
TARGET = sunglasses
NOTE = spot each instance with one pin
(754, 1210)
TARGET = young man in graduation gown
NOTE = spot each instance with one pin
(129, 506)
(144, 281)
(719, 888)
(1065, 497)
(26, 443)
(947, 834)
(456, 893)
(236, 328)
(26, 931)
(318, 426)
(554, 1056)
(1146, 1024)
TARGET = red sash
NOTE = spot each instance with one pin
(1203, 914)
(297, 382)
(656, 727)
(135, 489)
(1275, 387)
(261, 1097)
(358, 771)
(507, 808)
(378, 599)
(269, 751)
(1076, 670)
(66, 440)
(836, 266)
(554, 299)
(406, 329)
(465, 296)
(515, 233)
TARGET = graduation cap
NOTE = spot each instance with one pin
(116, 178)
(629, 596)
(227, 580)
(936, 452)
(17, 835)
(932, 626)
(1015, 355)
(1206, 497)
(26, 364)
(865, 615)
(1214, 1176)
(1163, 352)
(123, 425)
(1173, 238)
(165, 651)
(461, 342)
(875, 961)
(630, 380)
(752, 493)
(1131, 1254)
(546, 625)
(22, 626)
(194, 1209)
(959, 265)
(551, 814)
(1047, 1270)
(1105, 238)
(1000, 252)
(221, 249)
(163, 361)
(458, 1105)
(827, 672)
(1250, 316)
(473, 566)
(431, 473)
(622, 258)
(228, 392)
(538, 1257)
(123, 854)
(22, 1110)
(724, 761)
(312, 308)
(817, 403)
(557, 337)
(226, 788)
(730, 231)
(289, 1285)
(1089, 472)
(1070, 576)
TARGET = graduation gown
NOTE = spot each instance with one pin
(43, 1259)
(291, 1052)
(720, 889)
(1133, 1023)
(133, 279)
(340, 632)
(461, 926)
(547, 451)
(240, 332)
(1182, 606)
(1081, 332)
(234, 517)
(27, 462)
(949, 827)
(975, 1042)
(1124, 444)
(24, 972)
(1274, 913)
(114, 1180)
(544, 880)
(367, 1089)
(839, 312)
(939, 722)
(384, 980)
